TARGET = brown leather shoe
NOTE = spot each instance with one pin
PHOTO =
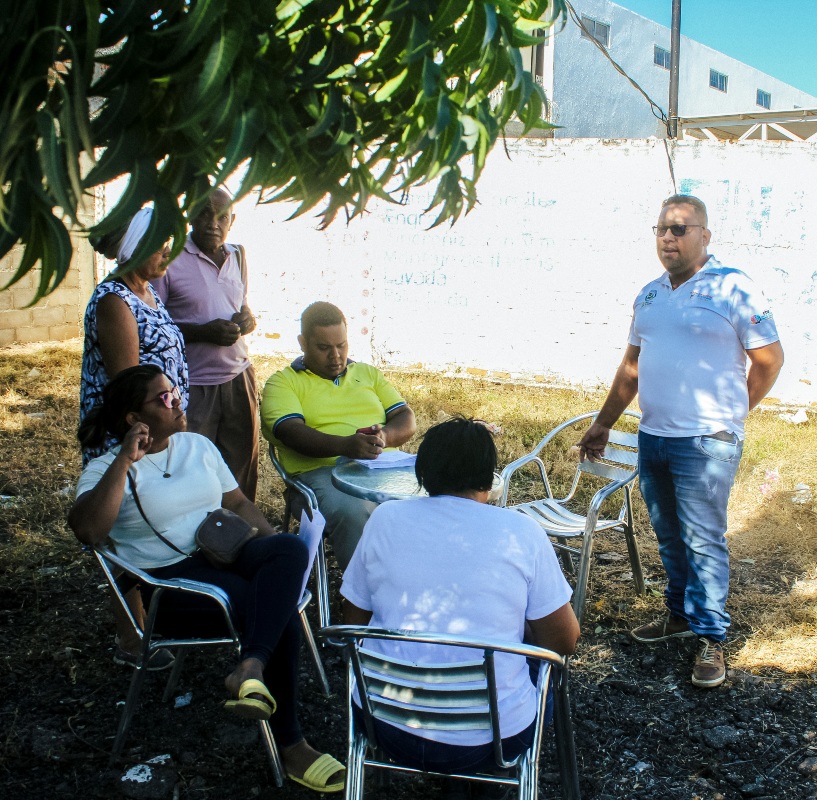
(710, 668)
(659, 630)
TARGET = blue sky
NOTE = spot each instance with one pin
(776, 37)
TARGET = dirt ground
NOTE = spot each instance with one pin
(642, 731)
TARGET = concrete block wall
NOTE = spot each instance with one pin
(56, 317)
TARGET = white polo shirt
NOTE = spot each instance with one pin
(693, 340)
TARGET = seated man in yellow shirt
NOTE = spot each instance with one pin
(313, 411)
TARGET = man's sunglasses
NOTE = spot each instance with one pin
(168, 397)
(676, 230)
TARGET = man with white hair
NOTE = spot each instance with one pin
(205, 291)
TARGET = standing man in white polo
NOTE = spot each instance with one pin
(693, 333)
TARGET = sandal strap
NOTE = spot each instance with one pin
(321, 769)
(253, 686)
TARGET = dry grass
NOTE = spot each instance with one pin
(773, 540)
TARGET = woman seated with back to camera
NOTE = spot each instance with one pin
(178, 478)
(451, 563)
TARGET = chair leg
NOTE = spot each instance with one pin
(274, 756)
(566, 558)
(528, 779)
(354, 768)
(632, 544)
(580, 591)
(137, 679)
(322, 586)
(175, 674)
(315, 653)
(565, 743)
(287, 512)
(635, 560)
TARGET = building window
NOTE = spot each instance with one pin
(764, 99)
(717, 80)
(544, 32)
(661, 57)
(593, 29)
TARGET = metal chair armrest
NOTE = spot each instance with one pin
(215, 593)
(600, 496)
(293, 483)
(515, 466)
(306, 491)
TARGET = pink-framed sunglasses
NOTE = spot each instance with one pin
(167, 397)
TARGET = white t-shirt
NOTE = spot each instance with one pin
(693, 340)
(175, 506)
(450, 565)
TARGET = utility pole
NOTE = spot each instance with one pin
(674, 58)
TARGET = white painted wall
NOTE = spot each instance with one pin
(590, 98)
(538, 281)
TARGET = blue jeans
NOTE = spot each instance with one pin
(685, 483)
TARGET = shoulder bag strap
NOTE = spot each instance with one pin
(170, 544)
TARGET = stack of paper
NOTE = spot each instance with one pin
(389, 460)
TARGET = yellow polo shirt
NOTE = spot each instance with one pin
(360, 397)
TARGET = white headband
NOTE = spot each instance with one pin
(136, 230)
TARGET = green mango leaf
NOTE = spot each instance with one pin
(390, 87)
(446, 15)
(218, 62)
(53, 163)
(321, 104)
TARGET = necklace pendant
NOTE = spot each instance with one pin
(166, 475)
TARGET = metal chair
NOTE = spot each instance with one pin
(449, 696)
(297, 497)
(115, 568)
(619, 470)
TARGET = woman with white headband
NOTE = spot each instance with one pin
(126, 324)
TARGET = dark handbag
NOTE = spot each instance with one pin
(222, 535)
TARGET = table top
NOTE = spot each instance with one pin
(380, 485)
(376, 485)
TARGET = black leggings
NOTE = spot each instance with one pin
(264, 587)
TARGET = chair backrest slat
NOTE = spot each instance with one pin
(463, 697)
(623, 438)
(431, 719)
(618, 455)
(602, 470)
(459, 672)
(437, 696)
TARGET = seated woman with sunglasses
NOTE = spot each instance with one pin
(178, 478)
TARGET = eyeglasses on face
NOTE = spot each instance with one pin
(676, 230)
(168, 397)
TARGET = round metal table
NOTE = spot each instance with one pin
(376, 485)
(380, 485)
